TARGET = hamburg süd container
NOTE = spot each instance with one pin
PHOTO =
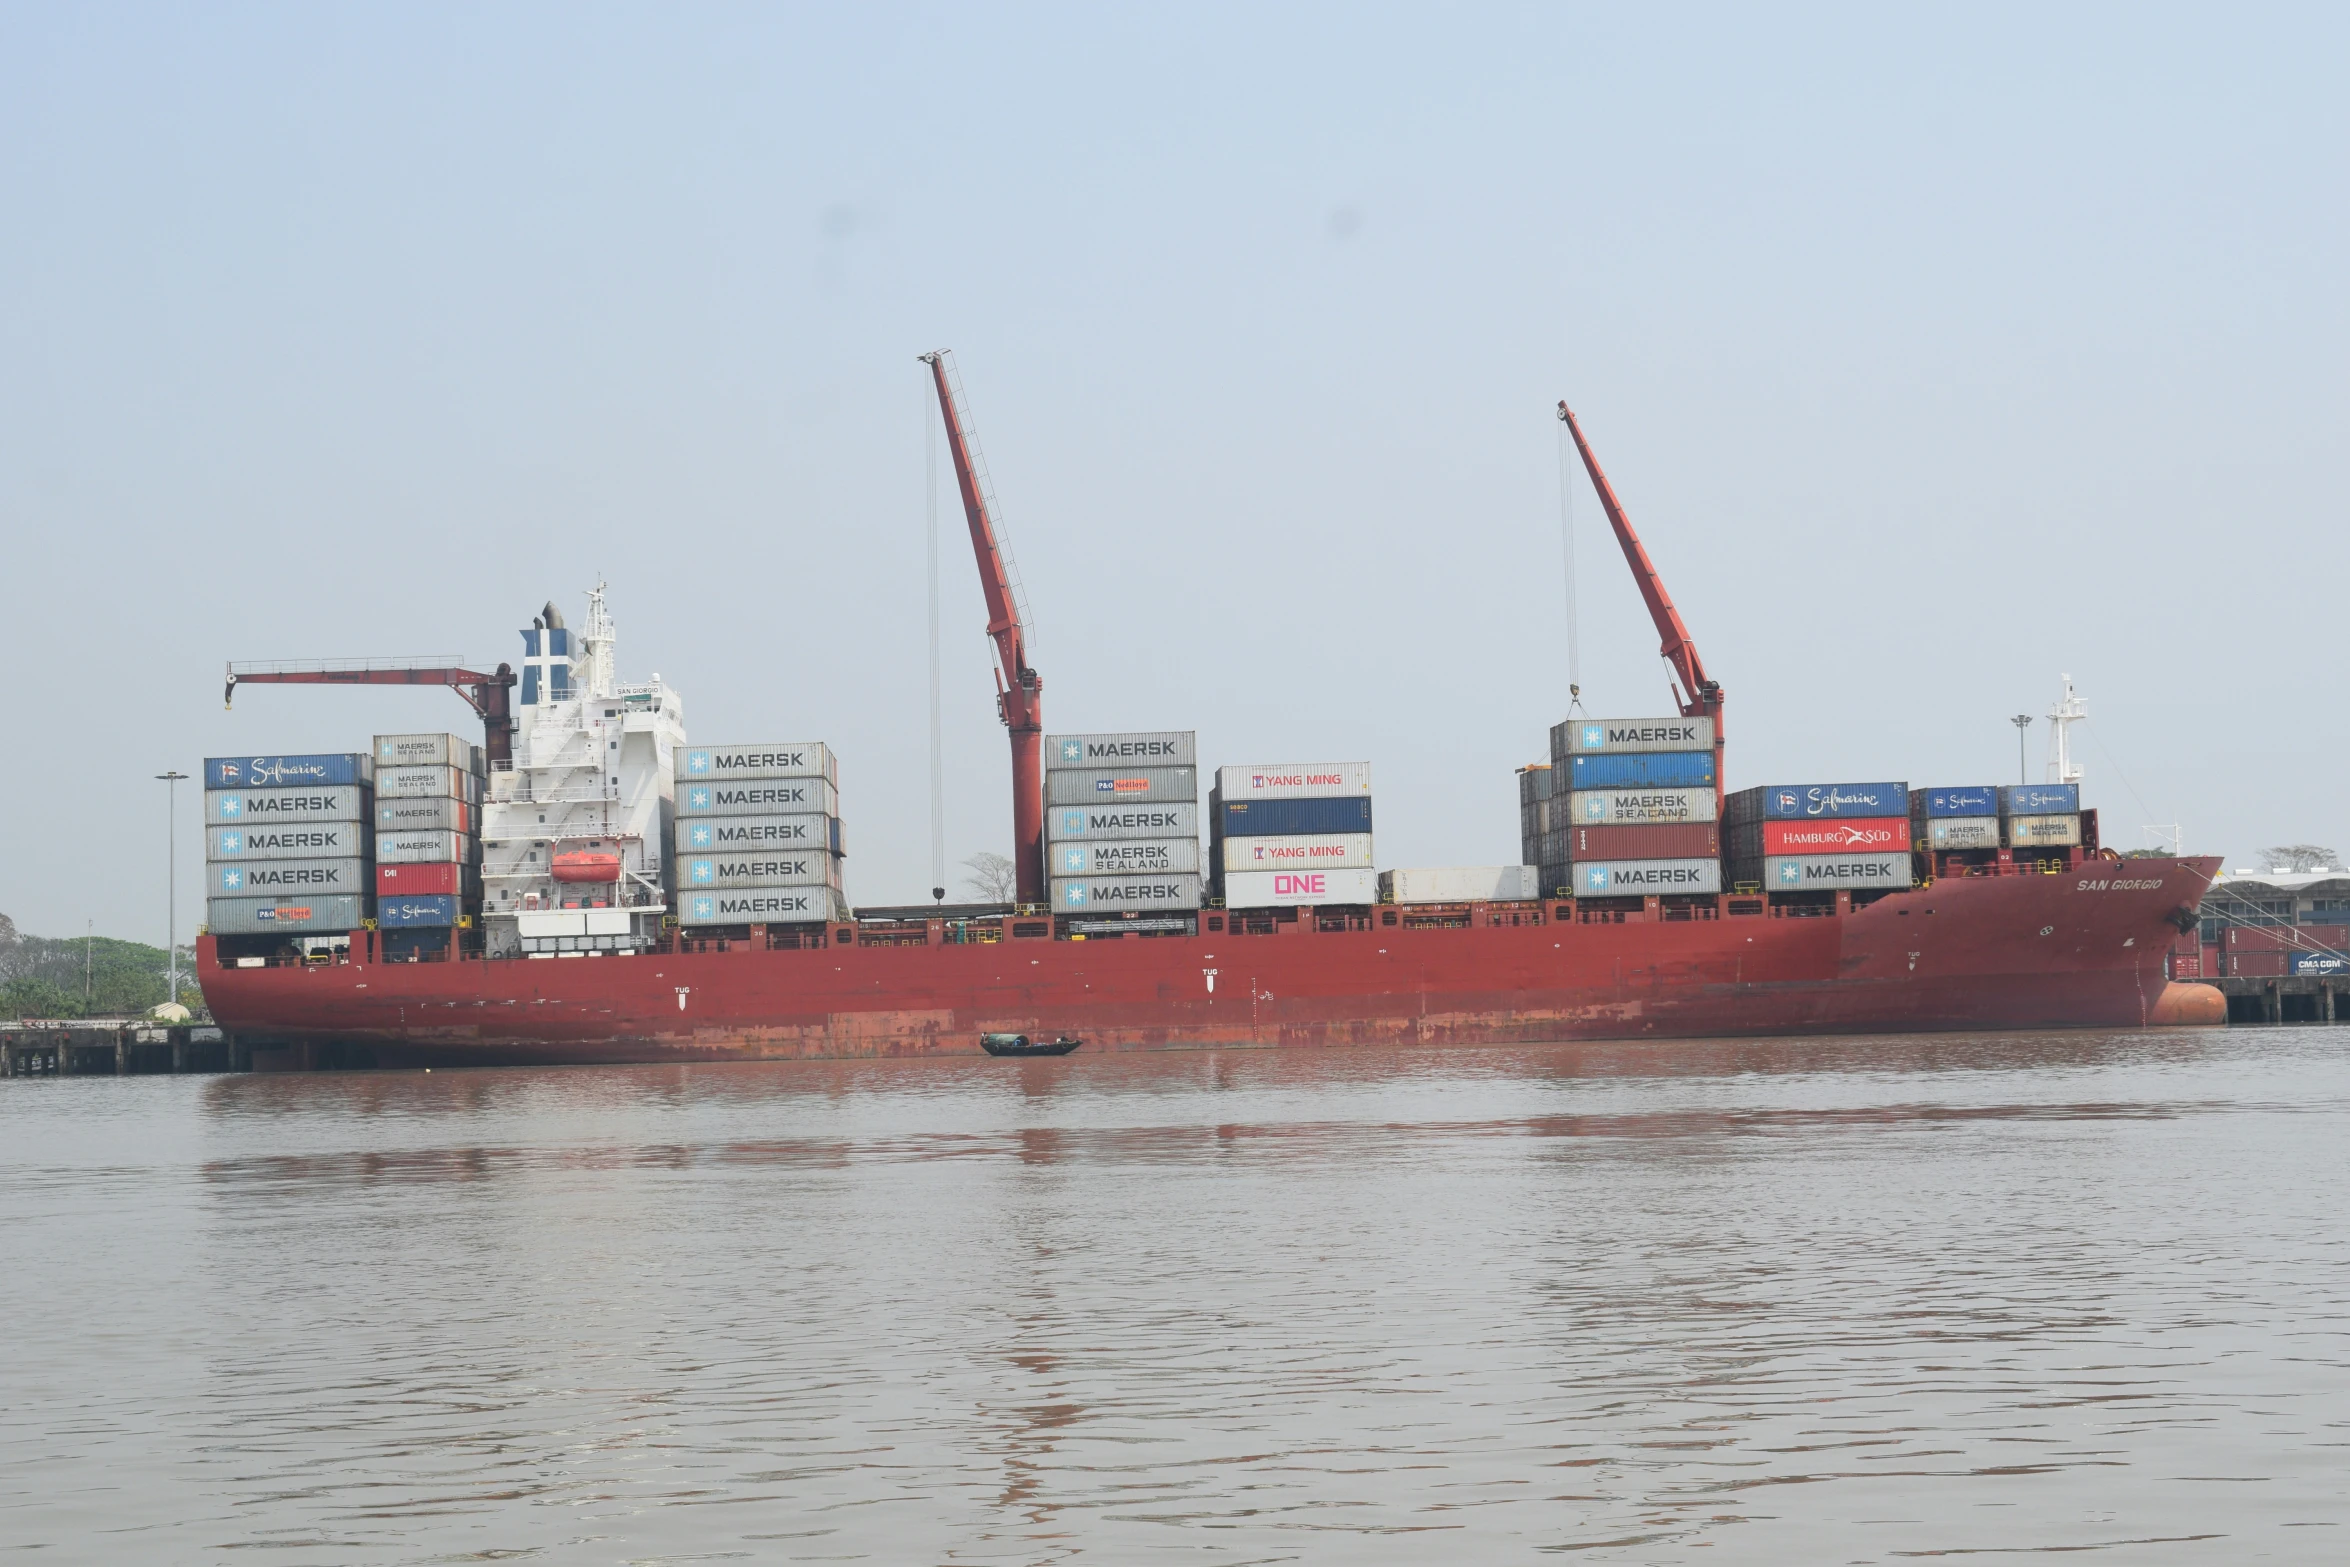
(410, 815)
(1164, 819)
(1147, 748)
(1292, 781)
(1951, 833)
(1843, 835)
(1347, 851)
(791, 759)
(1460, 884)
(286, 916)
(1814, 872)
(775, 868)
(1084, 857)
(1970, 800)
(1623, 878)
(287, 841)
(288, 772)
(2039, 799)
(427, 783)
(1641, 769)
(2043, 832)
(395, 881)
(1601, 736)
(1289, 889)
(1655, 841)
(427, 751)
(413, 911)
(1633, 807)
(1110, 894)
(1108, 786)
(1799, 801)
(339, 803)
(742, 834)
(427, 847)
(1259, 818)
(760, 797)
(762, 906)
(272, 877)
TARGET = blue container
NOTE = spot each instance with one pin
(1803, 802)
(2320, 963)
(1973, 800)
(1641, 769)
(283, 772)
(411, 911)
(2039, 799)
(1267, 818)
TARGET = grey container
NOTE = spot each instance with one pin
(1958, 832)
(1165, 819)
(426, 815)
(1601, 736)
(1121, 785)
(428, 847)
(287, 841)
(764, 797)
(775, 868)
(761, 906)
(1815, 872)
(297, 878)
(747, 834)
(1116, 894)
(1143, 748)
(745, 763)
(1624, 878)
(322, 803)
(442, 750)
(427, 783)
(285, 916)
(1083, 857)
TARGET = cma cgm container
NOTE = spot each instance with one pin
(1090, 857)
(1658, 841)
(288, 772)
(1784, 802)
(308, 915)
(1460, 884)
(1965, 800)
(1264, 818)
(1283, 889)
(341, 803)
(1641, 769)
(2320, 963)
(1090, 786)
(762, 906)
(1080, 894)
(1861, 835)
(742, 834)
(427, 751)
(1631, 807)
(410, 815)
(307, 877)
(777, 868)
(760, 797)
(1617, 878)
(427, 783)
(1603, 736)
(2043, 832)
(1156, 748)
(1346, 851)
(1829, 872)
(2039, 799)
(1948, 834)
(792, 759)
(1160, 819)
(287, 841)
(1292, 781)
(426, 848)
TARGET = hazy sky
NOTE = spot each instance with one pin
(1936, 354)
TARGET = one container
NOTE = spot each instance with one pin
(1622, 878)
(1145, 748)
(1350, 851)
(776, 868)
(1460, 884)
(394, 881)
(285, 916)
(1970, 800)
(1961, 832)
(427, 783)
(1602, 736)
(1642, 769)
(342, 803)
(427, 751)
(1668, 841)
(764, 797)
(2043, 832)
(426, 848)
(1109, 786)
(1292, 781)
(1857, 835)
(287, 841)
(1082, 857)
(745, 834)
(1289, 889)
(411, 911)
(2039, 799)
(1813, 872)
(1260, 818)
(738, 763)
(308, 878)
(1106, 894)
(1781, 802)
(288, 772)
(1635, 807)
(414, 815)
(762, 906)
(1167, 819)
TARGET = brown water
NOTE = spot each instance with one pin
(1848, 1301)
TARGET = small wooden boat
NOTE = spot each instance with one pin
(1022, 1045)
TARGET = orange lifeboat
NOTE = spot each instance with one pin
(581, 865)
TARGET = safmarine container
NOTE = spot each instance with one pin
(461, 881)
(427, 783)
(1816, 872)
(288, 772)
(1145, 748)
(776, 868)
(426, 848)
(762, 906)
(1292, 781)
(763, 797)
(1668, 841)
(2039, 799)
(1622, 878)
(287, 841)
(2043, 832)
(427, 751)
(1970, 800)
(1859, 835)
(743, 834)
(1961, 832)
(1112, 894)
(415, 815)
(1109, 786)
(1289, 889)
(1638, 769)
(308, 915)
(1460, 884)
(1633, 807)
(1163, 819)
(1799, 801)
(1082, 857)
(306, 877)
(789, 759)
(411, 911)
(1347, 851)
(343, 803)
(1602, 736)
(1258, 818)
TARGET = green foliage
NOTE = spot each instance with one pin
(73, 977)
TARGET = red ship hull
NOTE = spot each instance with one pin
(2081, 949)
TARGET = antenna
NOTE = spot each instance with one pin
(2062, 769)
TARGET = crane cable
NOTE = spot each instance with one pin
(938, 786)
(1567, 542)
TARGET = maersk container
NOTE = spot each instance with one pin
(762, 906)
(2043, 832)
(1856, 835)
(1114, 894)
(784, 759)
(274, 877)
(1798, 801)
(1634, 807)
(1816, 872)
(427, 783)
(1962, 832)
(287, 841)
(1535, 782)
(747, 834)
(1168, 819)
(1111, 785)
(1624, 878)
(1145, 748)
(2039, 799)
(1293, 781)
(396, 881)
(427, 751)
(1125, 857)
(1605, 736)
(1637, 769)
(764, 797)
(1264, 818)
(774, 868)
(413, 911)
(1292, 889)
(1343, 851)
(421, 815)
(426, 848)
(343, 803)
(1461, 884)
(1972, 800)
(1664, 841)
(288, 772)
(285, 916)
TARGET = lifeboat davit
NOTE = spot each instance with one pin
(582, 865)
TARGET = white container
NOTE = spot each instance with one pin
(752, 834)
(1291, 889)
(1084, 857)
(1461, 884)
(761, 797)
(1962, 832)
(1598, 736)
(776, 868)
(429, 847)
(1145, 748)
(1626, 878)
(737, 763)
(1338, 851)
(289, 878)
(1640, 807)
(1116, 894)
(1111, 785)
(426, 815)
(762, 906)
(1813, 872)
(426, 783)
(325, 803)
(307, 915)
(1158, 819)
(287, 841)
(2043, 832)
(426, 751)
(1292, 781)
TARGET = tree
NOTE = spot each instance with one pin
(2300, 858)
(991, 877)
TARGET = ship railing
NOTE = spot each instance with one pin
(580, 794)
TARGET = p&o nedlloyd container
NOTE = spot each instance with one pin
(310, 914)
(1094, 785)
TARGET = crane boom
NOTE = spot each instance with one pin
(1019, 689)
(490, 695)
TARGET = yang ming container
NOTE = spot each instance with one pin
(1624, 878)
(309, 915)
(1800, 801)
(763, 797)
(1150, 748)
(1635, 807)
(1602, 736)
(1289, 889)
(1969, 800)
(1639, 769)
(1114, 894)
(288, 772)
(1293, 781)
(1110, 786)
(1252, 818)
(273, 877)
(761, 906)
(790, 759)
(743, 834)
(775, 868)
(2039, 799)
(1828, 872)
(287, 841)
(342, 803)
(1083, 857)
(1349, 851)
(1164, 819)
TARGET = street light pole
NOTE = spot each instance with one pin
(171, 782)
(2023, 770)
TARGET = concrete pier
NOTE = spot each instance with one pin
(118, 1047)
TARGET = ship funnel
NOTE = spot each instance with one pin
(553, 616)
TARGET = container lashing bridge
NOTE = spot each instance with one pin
(490, 695)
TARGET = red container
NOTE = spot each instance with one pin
(1867, 835)
(2184, 965)
(2284, 938)
(394, 881)
(2259, 965)
(1664, 841)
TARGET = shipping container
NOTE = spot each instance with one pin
(1109, 786)
(303, 916)
(1345, 851)
(2039, 799)
(762, 906)
(424, 815)
(1292, 889)
(1602, 736)
(1664, 841)
(1274, 818)
(2256, 965)
(412, 911)
(287, 841)
(2285, 938)
(394, 881)
(427, 751)
(1148, 748)
(342, 803)
(2043, 832)
(288, 772)
(2320, 963)
(1171, 819)
(1782, 802)
(1535, 782)
(1973, 800)
(774, 868)
(426, 783)
(743, 763)
(743, 834)
(1952, 833)
(1856, 835)
(1642, 769)
(272, 877)
(1635, 807)
(426, 848)
(1292, 781)
(1084, 857)
(1110, 894)
(1460, 884)
(1811, 872)
(765, 797)
(1623, 878)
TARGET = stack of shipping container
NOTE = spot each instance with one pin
(758, 835)
(428, 792)
(1961, 821)
(1121, 822)
(1819, 837)
(2280, 951)
(1292, 834)
(2039, 816)
(287, 844)
(1642, 808)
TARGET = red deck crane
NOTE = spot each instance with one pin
(1019, 689)
(491, 695)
